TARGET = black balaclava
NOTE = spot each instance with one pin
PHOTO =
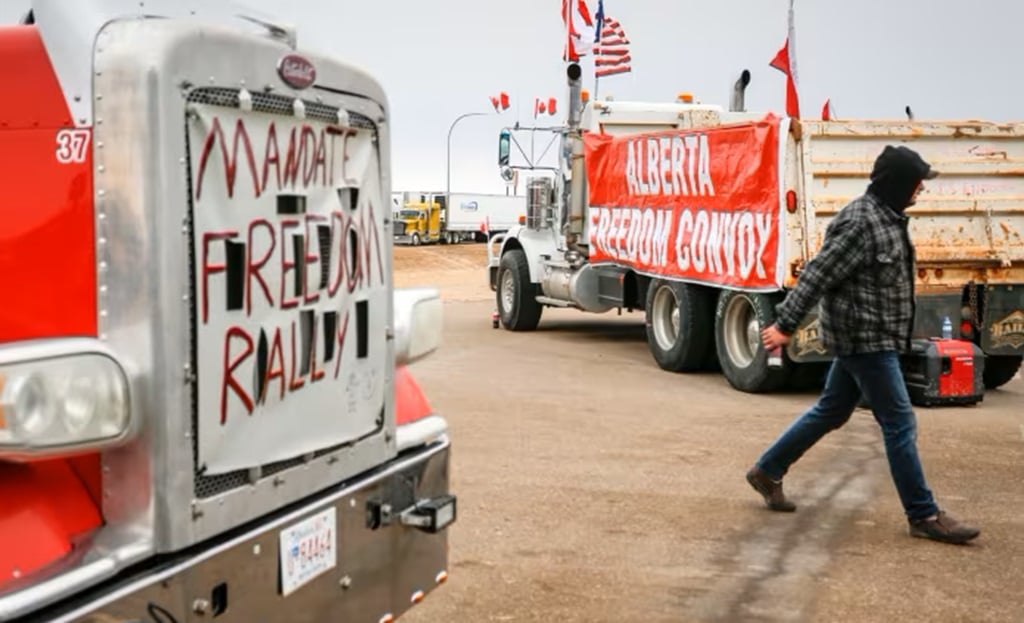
(897, 172)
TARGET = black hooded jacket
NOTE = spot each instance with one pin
(864, 272)
(896, 174)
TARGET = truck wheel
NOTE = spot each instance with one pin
(679, 325)
(517, 295)
(738, 322)
(415, 240)
(1000, 370)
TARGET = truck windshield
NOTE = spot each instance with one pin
(410, 213)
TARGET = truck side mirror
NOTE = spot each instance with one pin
(504, 148)
(418, 319)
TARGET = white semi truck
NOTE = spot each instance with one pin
(702, 218)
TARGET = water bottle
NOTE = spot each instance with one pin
(947, 329)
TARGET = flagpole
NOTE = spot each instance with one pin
(567, 18)
(792, 45)
(596, 53)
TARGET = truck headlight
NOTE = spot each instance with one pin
(61, 403)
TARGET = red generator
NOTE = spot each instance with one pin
(944, 372)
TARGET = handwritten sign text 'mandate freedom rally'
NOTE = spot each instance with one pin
(289, 270)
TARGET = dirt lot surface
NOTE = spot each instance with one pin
(595, 487)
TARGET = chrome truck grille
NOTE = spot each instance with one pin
(276, 105)
(210, 486)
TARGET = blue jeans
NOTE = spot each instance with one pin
(879, 377)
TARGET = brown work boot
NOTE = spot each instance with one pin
(943, 527)
(770, 489)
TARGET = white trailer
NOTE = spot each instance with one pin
(703, 218)
(468, 214)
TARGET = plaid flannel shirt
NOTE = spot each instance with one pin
(864, 276)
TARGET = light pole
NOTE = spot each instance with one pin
(448, 152)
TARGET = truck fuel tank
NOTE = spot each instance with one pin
(580, 286)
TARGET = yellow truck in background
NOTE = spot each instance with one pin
(418, 218)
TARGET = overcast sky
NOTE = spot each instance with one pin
(443, 58)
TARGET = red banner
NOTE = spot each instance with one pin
(701, 205)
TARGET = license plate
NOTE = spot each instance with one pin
(308, 549)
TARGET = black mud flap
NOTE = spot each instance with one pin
(1003, 333)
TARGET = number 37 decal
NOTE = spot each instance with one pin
(72, 145)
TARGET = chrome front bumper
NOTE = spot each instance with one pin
(385, 562)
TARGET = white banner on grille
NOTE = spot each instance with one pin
(290, 286)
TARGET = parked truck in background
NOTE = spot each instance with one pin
(206, 410)
(418, 220)
(703, 218)
(429, 217)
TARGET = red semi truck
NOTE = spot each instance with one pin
(206, 410)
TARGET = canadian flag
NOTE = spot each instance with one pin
(785, 61)
(579, 29)
(540, 106)
(500, 101)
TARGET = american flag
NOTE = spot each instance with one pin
(611, 51)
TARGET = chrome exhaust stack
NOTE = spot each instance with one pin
(737, 103)
(576, 200)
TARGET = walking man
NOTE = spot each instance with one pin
(864, 275)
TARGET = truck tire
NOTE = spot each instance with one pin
(679, 319)
(415, 240)
(1000, 370)
(516, 295)
(739, 318)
